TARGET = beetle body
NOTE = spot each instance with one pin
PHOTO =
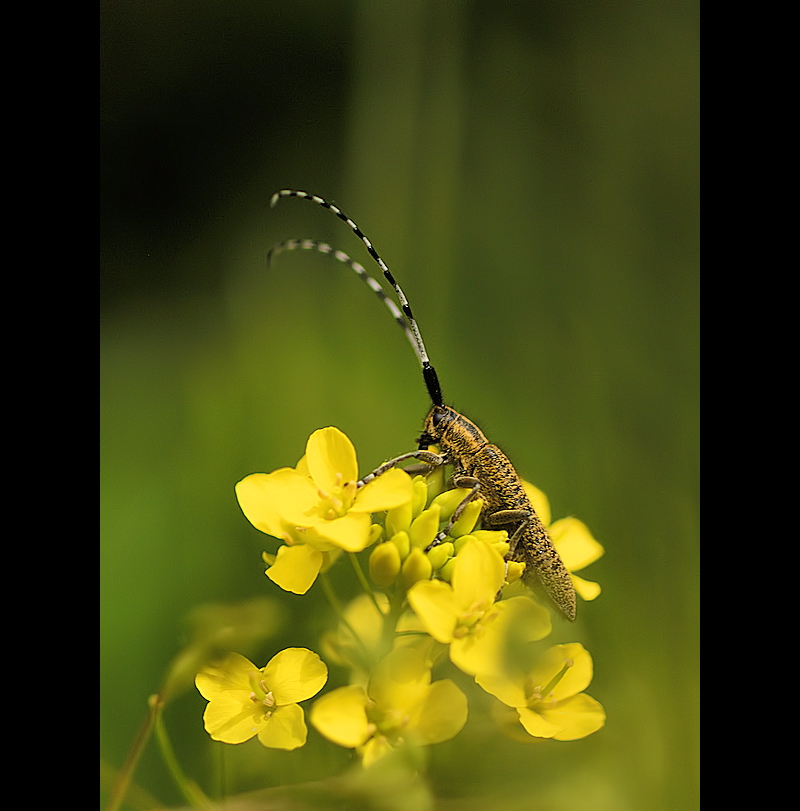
(506, 505)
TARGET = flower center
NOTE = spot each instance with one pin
(260, 694)
(544, 695)
(474, 619)
(388, 722)
(337, 502)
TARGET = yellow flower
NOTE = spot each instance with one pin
(400, 705)
(464, 614)
(316, 508)
(549, 699)
(244, 700)
(572, 540)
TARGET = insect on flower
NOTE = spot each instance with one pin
(479, 466)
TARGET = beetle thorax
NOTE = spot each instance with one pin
(456, 436)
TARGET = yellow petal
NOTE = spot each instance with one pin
(284, 493)
(232, 717)
(575, 679)
(258, 503)
(400, 680)
(580, 716)
(374, 749)
(587, 589)
(329, 557)
(539, 502)
(507, 721)
(285, 729)
(302, 467)
(295, 568)
(412, 632)
(442, 715)
(509, 625)
(509, 691)
(231, 673)
(365, 620)
(295, 674)
(536, 725)
(390, 490)
(341, 716)
(574, 543)
(435, 604)
(351, 532)
(331, 459)
(478, 574)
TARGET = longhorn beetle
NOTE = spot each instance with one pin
(479, 466)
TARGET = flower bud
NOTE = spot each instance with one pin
(461, 542)
(446, 572)
(491, 536)
(425, 527)
(384, 564)
(440, 554)
(403, 544)
(436, 480)
(416, 567)
(449, 500)
(514, 570)
(420, 497)
(398, 519)
(469, 517)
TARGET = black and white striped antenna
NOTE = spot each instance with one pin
(405, 318)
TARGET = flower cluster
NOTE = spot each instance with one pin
(432, 596)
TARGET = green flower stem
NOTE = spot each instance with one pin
(362, 578)
(129, 767)
(190, 790)
(330, 594)
(397, 603)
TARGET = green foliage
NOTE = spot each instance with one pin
(529, 173)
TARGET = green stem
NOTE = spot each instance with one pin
(129, 767)
(362, 578)
(339, 611)
(397, 602)
(190, 790)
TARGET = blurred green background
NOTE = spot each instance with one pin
(529, 171)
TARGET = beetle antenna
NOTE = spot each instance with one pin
(405, 319)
